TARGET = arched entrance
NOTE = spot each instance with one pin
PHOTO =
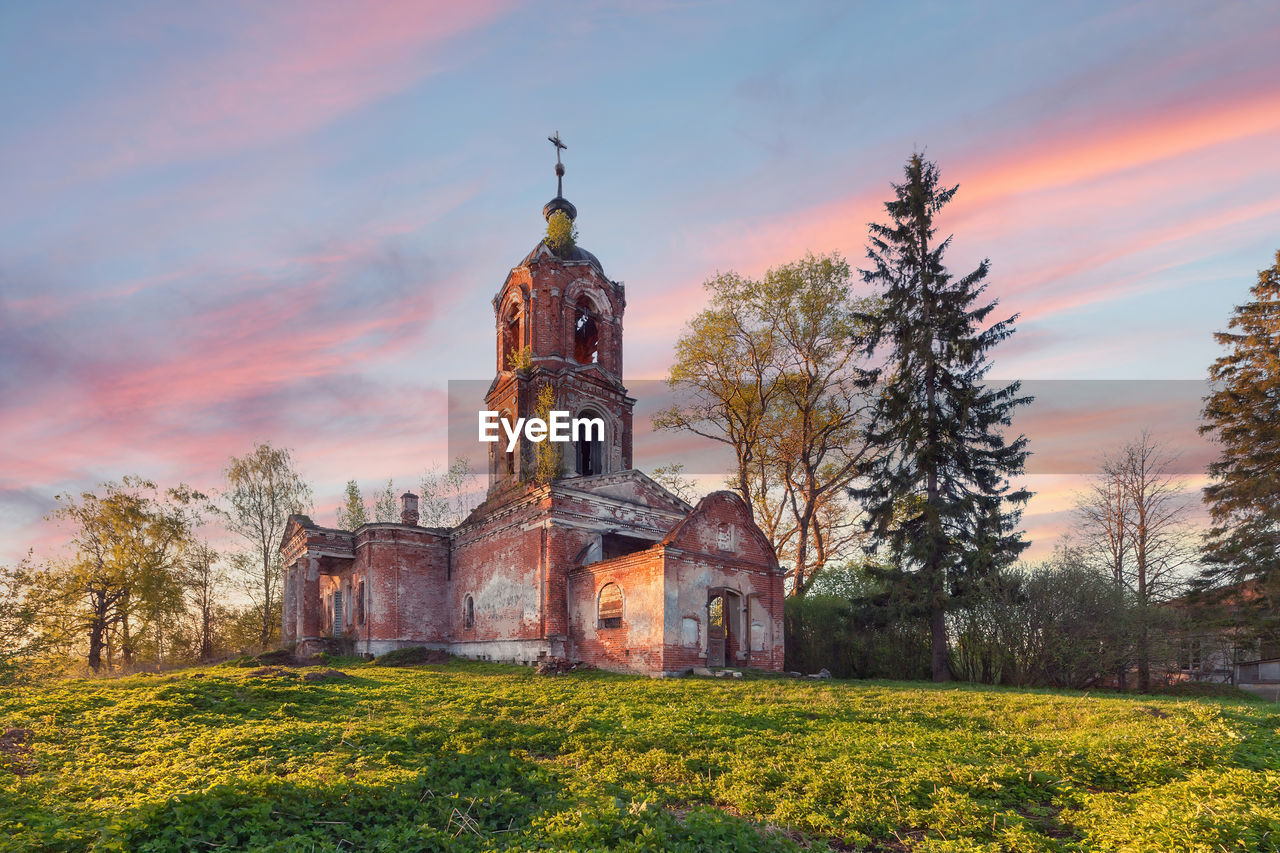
(724, 619)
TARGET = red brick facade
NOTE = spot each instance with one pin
(602, 565)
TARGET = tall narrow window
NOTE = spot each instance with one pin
(337, 613)
(589, 449)
(512, 339)
(508, 456)
(586, 333)
(360, 615)
(468, 613)
(609, 607)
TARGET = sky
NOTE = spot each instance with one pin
(227, 223)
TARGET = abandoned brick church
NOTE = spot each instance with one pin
(602, 565)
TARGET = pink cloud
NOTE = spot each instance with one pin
(292, 68)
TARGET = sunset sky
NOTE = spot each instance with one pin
(223, 223)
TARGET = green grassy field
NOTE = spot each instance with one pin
(466, 756)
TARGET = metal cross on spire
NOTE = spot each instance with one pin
(560, 146)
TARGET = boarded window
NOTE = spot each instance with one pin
(689, 632)
(724, 537)
(757, 637)
(468, 613)
(609, 611)
(337, 613)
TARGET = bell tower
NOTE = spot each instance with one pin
(559, 327)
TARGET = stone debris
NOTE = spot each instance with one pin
(559, 666)
(822, 673)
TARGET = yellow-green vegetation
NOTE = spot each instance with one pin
(464, 756)
(562, 234)
(520, 360)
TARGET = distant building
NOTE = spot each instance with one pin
(602, 565)
(1213, 647)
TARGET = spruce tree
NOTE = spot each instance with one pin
(937, 492)
(1242, 413)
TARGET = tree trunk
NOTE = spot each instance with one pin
(96, 644)
(266, 600)
(126, 642)
(938, 636)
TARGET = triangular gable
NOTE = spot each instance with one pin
(695, 531)
(632, 486)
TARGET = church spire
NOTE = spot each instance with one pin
(559, 202)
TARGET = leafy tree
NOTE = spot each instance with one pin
(1242, 414)
(29, 633)
(772, 369)
(352, 513)
(725, 372)
(385, 508)
(262, 490)
(128, 542)
(449, 496)
(937, 494)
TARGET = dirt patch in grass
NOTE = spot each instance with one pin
(14, 748)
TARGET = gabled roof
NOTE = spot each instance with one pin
(647, 491)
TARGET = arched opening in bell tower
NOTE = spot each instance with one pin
(586, 333)
(589, 448)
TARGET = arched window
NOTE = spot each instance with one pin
(586, 333)
(609, 606)
(468, 613)
(589, 447)
(512, 339)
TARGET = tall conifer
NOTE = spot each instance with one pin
(1242, 413)
(937, 494)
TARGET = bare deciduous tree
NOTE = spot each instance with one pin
(1134, 519)
(448, 496)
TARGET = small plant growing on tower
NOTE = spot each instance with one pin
(562, 234)
(521, 360)
(548, 453)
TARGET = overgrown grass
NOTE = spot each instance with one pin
(465, 757)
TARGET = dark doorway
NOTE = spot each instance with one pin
(723, 609)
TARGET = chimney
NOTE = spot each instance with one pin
(409, 509)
